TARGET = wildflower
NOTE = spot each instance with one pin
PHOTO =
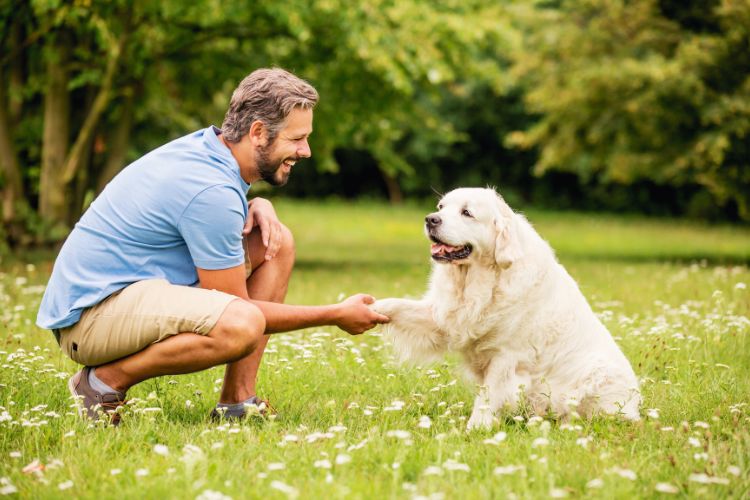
(399, 434)
(453, 465)
(424, 422)
(706, 479)
(653, 413)
(212, 495)
(595, 483)
(507, 470)
(289, 491)
(6, 487)
(322, 464)
(558, 493)
(496, 439)
(433, 470)
(342, 459)
(141, 473)
(115, 472)
(734, 470)
(276, 466)
(539, 442)
(161, 449)
(625, 473)
(65, 485)
(395, 406)
(34, 466)
(666, 488)
(191, 454)
(584, 441)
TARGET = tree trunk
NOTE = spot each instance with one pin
(15, 74)
(55, 140)
(117, 144)
(395, 195)
(13, 198)
(78, 152)
(80, 185)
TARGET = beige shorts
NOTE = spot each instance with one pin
(139, 315)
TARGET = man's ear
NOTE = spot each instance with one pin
(258, 133)
(507, 245)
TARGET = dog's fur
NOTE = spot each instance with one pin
(514, 314)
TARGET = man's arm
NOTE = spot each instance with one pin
(352, 315)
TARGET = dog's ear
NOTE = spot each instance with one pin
(507, 244)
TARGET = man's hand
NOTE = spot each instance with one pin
(261, 213)
(354, 317)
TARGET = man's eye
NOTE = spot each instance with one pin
(466, 213)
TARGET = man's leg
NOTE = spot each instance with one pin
(237, 333)
(268, 282)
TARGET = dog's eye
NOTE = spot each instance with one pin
(466, 213)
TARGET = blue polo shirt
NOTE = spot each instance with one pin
(179, 207)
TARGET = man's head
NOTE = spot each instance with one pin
(272, 109)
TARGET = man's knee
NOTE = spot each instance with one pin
(287, 248)
(239, 329)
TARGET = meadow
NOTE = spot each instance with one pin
(352, 424)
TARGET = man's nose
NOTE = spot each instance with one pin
(303, 151)
(433, 220)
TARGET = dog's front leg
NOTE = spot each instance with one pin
(413, 331)
(501, 387)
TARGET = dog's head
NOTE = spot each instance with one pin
(473, 224)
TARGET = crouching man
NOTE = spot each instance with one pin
(172, 271)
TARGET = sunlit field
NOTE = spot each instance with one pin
(352, 424)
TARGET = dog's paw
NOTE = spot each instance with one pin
(387, 307)
(481, 419)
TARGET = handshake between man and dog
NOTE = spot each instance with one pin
(499, 297)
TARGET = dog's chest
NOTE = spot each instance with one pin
(469, 307)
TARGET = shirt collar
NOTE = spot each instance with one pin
(211, 135)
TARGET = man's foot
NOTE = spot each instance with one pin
(91, 403)
(254, 406)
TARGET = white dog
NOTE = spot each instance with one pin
(498, 296)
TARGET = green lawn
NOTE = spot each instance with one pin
(352, 424)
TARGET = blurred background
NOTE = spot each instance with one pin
(639, 106)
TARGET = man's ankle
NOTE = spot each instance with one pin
(105, 376)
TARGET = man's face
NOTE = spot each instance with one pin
(275, 161)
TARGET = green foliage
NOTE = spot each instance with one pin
(626, 93)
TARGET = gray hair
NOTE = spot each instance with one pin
(268, 95)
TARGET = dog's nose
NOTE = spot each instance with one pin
(432, 220)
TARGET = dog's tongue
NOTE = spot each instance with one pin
(440, 249)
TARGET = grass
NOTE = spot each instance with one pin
(674, 294)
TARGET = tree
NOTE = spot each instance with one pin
(100, 81)
(641, 89)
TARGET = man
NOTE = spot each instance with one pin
(122, 299)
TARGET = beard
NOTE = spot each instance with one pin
(269, 168)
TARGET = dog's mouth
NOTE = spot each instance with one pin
(442, 252)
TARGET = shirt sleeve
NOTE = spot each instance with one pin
(211, 226)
